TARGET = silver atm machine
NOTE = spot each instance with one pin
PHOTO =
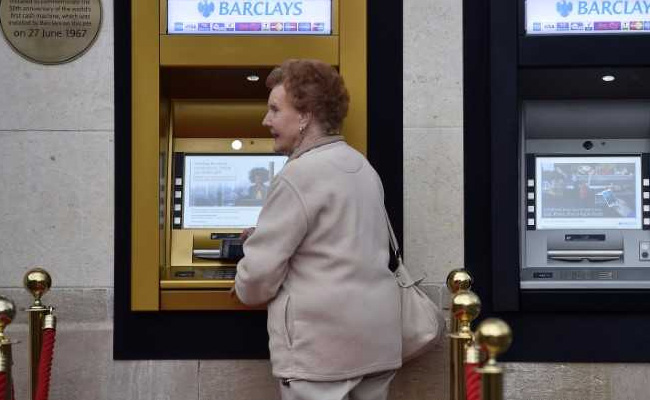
(585, 194)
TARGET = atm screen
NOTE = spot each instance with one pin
(249, 17)
(592, 17)
(226, 191)
(600, 192)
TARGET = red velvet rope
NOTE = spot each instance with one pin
(3, 385)
(45, 365)
(472, 382)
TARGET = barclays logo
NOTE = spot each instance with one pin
(205, 8)
(564, 8)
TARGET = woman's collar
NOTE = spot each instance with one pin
(321, 141)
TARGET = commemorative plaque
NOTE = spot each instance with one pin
(50, 31)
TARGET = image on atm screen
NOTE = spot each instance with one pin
(588, 190)
(233, 193)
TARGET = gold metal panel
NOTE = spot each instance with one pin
(222, 118)
(196, 284)
(222, 145)
(231, 51)
(353, 68)
(178, 300)
(163, 17)
(335, 17)
(145, 156)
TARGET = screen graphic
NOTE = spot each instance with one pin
(249, 17)
(575, 17)
(588, 192)
(226, 191)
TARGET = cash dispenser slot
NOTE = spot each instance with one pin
(588, 255)
(212, 246)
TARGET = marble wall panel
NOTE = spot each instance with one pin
(627, 381)
(424, 378)
(72, 305)
(83, 369)
(433, 64)
(58, 209)
(237, 380)
(433, 200)
(73, 96)
(550, 381)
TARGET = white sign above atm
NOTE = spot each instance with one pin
(595, 17)
(249, 17)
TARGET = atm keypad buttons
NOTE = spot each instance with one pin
(531, 209)
(644, 251)
(531, 196)
(531, 183)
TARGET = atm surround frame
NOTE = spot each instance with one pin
(548, 325)
(202, 334)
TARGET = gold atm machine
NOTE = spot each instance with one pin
(201, 161)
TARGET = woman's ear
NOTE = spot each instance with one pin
(304, 119)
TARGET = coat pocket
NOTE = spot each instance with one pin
(288, 322)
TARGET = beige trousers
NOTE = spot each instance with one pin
(367, 387)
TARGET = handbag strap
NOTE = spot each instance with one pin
(394, 245)
(402, 273)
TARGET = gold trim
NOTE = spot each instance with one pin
(222, 145)
(335, 17)
(144, 156)
(238, 51)
(179, 300)
(170, 190)
(163, 17)
(197, 284)
(353, 68)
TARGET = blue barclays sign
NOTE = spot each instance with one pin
(261, 8)
(603, 7)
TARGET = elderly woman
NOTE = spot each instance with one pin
(319, 255)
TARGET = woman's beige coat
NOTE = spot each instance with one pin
(319, 257)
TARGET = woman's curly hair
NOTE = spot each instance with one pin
(314, 87)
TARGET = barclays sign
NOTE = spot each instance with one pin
(597, 8)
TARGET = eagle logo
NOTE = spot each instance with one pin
(206, 8)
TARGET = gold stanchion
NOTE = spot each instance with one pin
(465, 307)
(37, 281)
(494, 337)
(458, 280)
(7, 314)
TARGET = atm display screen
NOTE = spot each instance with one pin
(585, 17)
(588, 192)
(249, 17)
(226, 191)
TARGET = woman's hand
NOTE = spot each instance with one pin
(246, 233)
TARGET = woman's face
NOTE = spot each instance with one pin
(283, 120)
